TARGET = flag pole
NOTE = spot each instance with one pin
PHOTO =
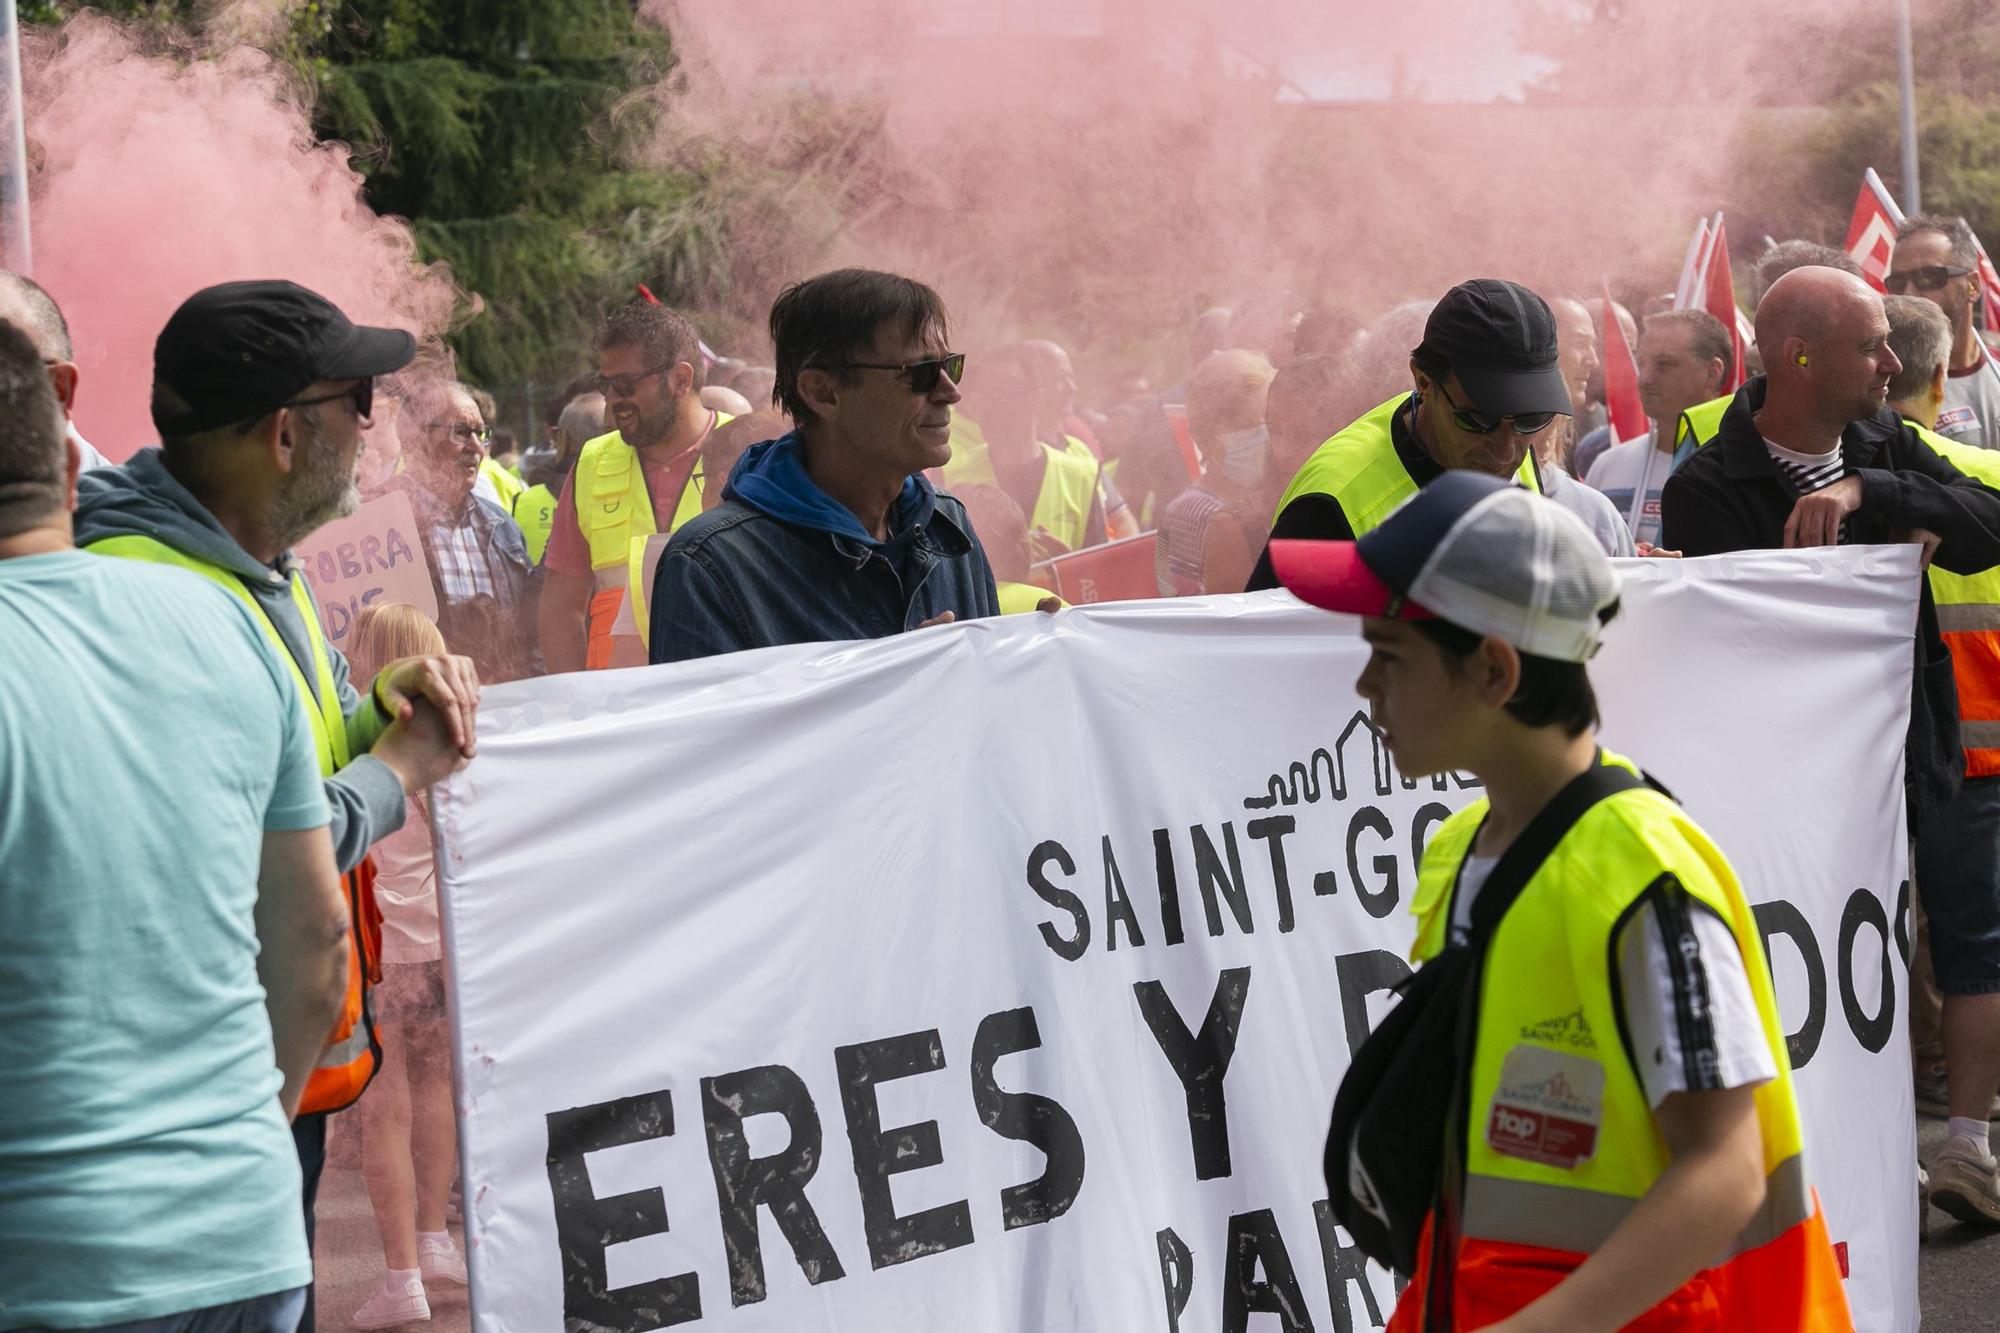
(15, 249)
(1906, 65)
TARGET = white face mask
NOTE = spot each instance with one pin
(1245, 453)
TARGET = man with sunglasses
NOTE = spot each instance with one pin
(1488, 379)
(641, 478)
(261, 393)
(833, 531)
(1938, 259)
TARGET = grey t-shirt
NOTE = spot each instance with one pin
(1598, 514)
(1970, 412)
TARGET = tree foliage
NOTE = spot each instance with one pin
(507, 133)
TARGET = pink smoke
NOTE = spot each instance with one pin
(154, 175)
(1101, 170)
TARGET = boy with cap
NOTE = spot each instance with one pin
(1488, 379)
(261, 393)
(1624, 1111)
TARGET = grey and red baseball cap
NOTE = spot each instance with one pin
(1481, 553)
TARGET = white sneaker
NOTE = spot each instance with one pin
(397, 1299)
(438, 1258)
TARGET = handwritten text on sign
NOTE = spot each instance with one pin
(373, 555)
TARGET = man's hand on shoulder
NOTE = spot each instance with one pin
(449, 683)
(1816, 518)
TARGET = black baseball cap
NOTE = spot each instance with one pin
(238, 350)
(1500, 339)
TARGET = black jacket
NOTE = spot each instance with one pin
(1732, 496)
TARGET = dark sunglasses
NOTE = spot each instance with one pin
(1485, 423)
(922, 375)
(623, 386)
(362, 394)
(1926, 279)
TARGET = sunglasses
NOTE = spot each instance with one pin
(1485, 423)
(624, 386)
(922, 375)
(1926, 279)
(362, 394)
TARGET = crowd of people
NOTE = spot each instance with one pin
(177, 1058)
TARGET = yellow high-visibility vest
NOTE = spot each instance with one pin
(1561, 1142)
(352, 1053)
(1359, 468)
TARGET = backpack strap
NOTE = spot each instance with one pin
(1537, 842)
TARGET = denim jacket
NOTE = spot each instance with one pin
(740, 576)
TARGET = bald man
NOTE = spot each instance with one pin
(32, 310)
(1810, 454)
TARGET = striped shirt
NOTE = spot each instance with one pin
(1809, 472)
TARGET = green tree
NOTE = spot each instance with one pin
(508, 133)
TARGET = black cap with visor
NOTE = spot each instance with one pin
(1500, 340)
(234, 352)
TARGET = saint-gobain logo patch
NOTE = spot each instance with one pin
(1548, 1107)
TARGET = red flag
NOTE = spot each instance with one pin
(1621, 378)
(1871, 235)
(1719, 299)
(1989, 288)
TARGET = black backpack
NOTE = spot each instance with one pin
(1394, 1151)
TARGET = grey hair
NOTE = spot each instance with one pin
(1920, 336)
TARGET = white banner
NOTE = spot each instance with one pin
(999, 976)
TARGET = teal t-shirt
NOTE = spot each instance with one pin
(149, 737)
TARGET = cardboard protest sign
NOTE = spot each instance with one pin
(373, 555)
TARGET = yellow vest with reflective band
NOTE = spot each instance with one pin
(1968, 608)
(505, 483)
(535, 512)
(1360, 469)
(351, 1056)
(1561, 1140)
(1062, 506)
(614, 512)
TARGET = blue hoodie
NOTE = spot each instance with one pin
(781, 561)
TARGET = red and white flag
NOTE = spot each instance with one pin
(1712, 287)
(1691, 266)
(1871, 235)
(1989, 288)
(1871, 241)
(1625, 412)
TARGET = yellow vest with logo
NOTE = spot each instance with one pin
(351, 1056)
(535, 512)
(1360, 469)
(614, 512)
(1561, 1140)
(1069, 486)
